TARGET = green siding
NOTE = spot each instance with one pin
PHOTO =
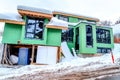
(83, 48)
(54, 37)
(33, 41)
(12, 33)
(73, 19)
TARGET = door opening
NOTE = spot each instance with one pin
(77, 39)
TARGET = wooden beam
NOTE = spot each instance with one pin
(56, 27)
(58, 54)
(33, 51)
(12, 21)
(34, 14)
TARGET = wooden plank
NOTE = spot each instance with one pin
(58, 54)
(38, 64)
(33, 51)
(34, 14)
(56, 27)
(12, 21)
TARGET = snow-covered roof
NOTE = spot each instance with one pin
(58, 24)
(116, 29)
(75, 15)
(11, 16)
(33, 9)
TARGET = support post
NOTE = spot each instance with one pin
(58, 54)
(4, 57)
(33, 51)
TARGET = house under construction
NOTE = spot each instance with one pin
(29, 37)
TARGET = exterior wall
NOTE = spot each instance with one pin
(104, 45)
(83, 49)
(53, 37)
(72, 44)
(12, 33)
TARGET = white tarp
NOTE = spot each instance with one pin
(57, 22)
(46, 55)
(14, 59)
(65, 50)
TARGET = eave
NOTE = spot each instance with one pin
(12, 21)
(56, 27)
(77, 16)
(34, 14)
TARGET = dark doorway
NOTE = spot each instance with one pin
(77, 39)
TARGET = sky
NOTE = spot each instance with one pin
(101, 9)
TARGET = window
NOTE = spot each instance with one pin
(64, 18)
(67, 35)
(103, 36)
(34, 28)
(89, 36)
(103, 50)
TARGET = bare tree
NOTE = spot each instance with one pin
(105, 23)
(118, 21)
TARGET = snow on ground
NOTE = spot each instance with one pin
(90, 63)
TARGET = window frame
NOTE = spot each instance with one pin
(35, 27)
(90, 45)
(101, 36)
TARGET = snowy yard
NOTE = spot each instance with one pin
(85, 64)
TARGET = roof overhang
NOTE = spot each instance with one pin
(78, 16)
(34, 14)
(12, 21)
(56, 27)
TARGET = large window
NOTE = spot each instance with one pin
(67, 35)
(89, 36)
(64, 18)
(103, 36)
(34, 28)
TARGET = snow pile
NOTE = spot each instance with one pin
(34, 9)
(86, 64)
(116, 29)
(116, 52)
(65, 50)
(11, 16)
(56, 22)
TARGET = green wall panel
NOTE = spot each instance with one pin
(12, 33)
(73, 19)
(53, 37)
(83, 48)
